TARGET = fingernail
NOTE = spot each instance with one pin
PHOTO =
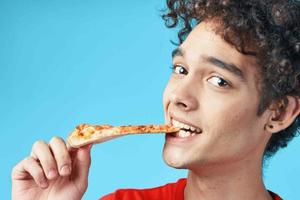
(52, 174)
(65, 170)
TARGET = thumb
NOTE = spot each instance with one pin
(82, 163)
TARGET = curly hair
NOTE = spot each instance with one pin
(272, 27)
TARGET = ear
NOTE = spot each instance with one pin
(280, 120)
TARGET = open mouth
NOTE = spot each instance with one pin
(186, 130)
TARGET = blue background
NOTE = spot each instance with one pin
(64, 62)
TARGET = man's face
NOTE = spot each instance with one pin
(214, 89)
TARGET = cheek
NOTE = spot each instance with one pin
(167, 93)
(231, 118)
(166, 98)
(239, 119)
(238, 129)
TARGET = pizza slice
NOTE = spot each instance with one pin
(86, 134)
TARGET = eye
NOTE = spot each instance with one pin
(178, 69)
(218, 81)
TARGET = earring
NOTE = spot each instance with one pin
(270, 126)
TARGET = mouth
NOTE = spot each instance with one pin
(186, 129)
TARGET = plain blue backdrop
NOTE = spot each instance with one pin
(65, 62)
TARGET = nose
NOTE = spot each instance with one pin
(184, 97)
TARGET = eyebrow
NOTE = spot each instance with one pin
(227, 66)
(216, 62)
(177, 52)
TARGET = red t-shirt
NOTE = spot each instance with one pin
(170, 191)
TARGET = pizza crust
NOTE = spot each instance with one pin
(86, 134)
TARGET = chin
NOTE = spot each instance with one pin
(176, 165)
(174, 159)
(173, 165)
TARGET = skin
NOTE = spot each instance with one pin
(224, 161)
(198, 99)
(52, 171)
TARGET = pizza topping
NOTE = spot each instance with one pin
(86, 134)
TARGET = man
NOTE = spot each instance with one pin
(234, 92)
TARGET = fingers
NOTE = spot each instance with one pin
(42, 152)
(29, 167)
(61, 156)
(54, 158)
(82, 163)
(50, 161)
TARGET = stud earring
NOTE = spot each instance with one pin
(270, 126)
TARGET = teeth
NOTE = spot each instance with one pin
(183, 133)
(185, 126)
(176, 123)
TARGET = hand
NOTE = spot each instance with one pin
(52, 171)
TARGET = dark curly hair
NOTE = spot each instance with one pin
(266, 29)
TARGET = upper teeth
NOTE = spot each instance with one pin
(185, 126)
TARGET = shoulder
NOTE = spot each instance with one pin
(167, 191)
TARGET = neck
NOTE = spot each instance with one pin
(233, 181)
